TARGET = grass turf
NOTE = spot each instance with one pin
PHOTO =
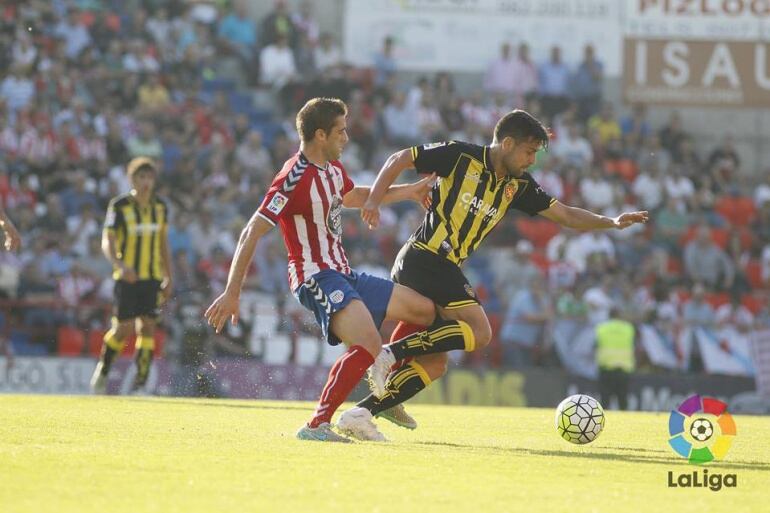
(83, 454)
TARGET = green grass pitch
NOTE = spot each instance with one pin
(111, 454)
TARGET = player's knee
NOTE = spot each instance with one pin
(482, 333)
(372, 343)
(425, 310)
(145, 327)
(435, 365)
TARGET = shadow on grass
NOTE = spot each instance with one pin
(595, 455)
(223, 404)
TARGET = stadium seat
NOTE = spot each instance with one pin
(753, 302)
(754, 273)
(717, 299)
(95, 340)
(537, 231)
(720, 236)
(70, 341)
(22, 345)
(739, 211)
(218, 84)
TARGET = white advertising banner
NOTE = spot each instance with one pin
(465, 35)
(697, 52)
(708, 20)
(42, 375)
(761, 351)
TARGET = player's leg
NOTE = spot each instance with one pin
(343, 316)
(124, 311)
(147, 309)
(407, 381)
(145, 348)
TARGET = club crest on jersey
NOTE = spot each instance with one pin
(277, 203)
(334, 218)
(510, 190)
(337, 296)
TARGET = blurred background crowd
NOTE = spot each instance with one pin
(211, 93)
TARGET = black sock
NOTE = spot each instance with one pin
(107, 357)
(439, 337)
(143, 361)
(402, 384)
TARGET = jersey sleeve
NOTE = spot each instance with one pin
(279, 196)
(438, 158)
(533, 199)
(113, 221)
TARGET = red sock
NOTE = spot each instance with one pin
(345, 374)
(404, 329)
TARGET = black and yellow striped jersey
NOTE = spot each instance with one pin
(139, 233)
(468, 200)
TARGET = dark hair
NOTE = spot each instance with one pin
(319, 113)
(141, 164)
(522, 126)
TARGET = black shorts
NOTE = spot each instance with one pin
(434, 277)
(138, 299)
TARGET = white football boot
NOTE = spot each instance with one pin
(379, 370)
(98, 382)
(357, 422)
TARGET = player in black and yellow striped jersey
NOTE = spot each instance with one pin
(476, 186)
(135, 240)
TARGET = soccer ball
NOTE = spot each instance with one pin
(701, 430)
(579, 419)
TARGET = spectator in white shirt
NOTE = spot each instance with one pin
(327, 53)
(648, 188)
(277, 67)
(572, 148)
(16, 89)
(597, 192)
(75, 35)
(677, 185)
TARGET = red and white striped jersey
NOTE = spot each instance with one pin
(306, 202)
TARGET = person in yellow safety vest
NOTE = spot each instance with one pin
(615, 358)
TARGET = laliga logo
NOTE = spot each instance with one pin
(701, 430)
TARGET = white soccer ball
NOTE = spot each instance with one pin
(701, 430)
(579, 419)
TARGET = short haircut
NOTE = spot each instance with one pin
(522, 126)
(319, 113)
(141, 164)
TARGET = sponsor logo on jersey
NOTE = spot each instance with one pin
(277, 203)
(334, 218)
(478, 206)
(510, 190)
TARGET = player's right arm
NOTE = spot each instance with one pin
(112, 222)
(227, 304)
(426, 158)
(276, 203)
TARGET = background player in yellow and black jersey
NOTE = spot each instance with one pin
(477, 185)
(135, 240)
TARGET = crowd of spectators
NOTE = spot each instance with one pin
(211, 93)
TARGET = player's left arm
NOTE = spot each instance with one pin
(581, 219)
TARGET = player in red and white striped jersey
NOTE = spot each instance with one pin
(305, 201)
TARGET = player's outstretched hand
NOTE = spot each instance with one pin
(12, 237)
(627, 219)
(370, 214)
(224, 307)
(420, 191)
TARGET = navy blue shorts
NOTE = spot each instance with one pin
(330, 291)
